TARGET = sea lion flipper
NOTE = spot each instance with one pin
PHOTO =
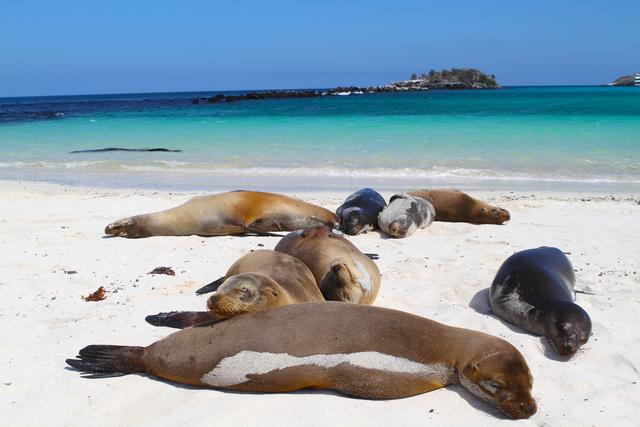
(178, 319)
(211, 287)
(109, 360)
(262, 233)
(373, 256)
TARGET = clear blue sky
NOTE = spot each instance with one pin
(80, 47)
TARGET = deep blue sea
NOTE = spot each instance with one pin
(512, 137)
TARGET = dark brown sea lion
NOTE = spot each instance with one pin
(534, 290)
(363, 351)
(456, 206)
(359, 212)
(236, 212)
(342, 272)
(259, 280)
(404, 215)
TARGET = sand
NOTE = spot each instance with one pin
(53, 253)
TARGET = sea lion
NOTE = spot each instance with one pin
(405, 214)
(363, 351)
(342, 272)
(456, 206)
(533, 289)
(236, 212)
(259, 280)
(359, 212)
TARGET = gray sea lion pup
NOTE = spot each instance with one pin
(359, 350)
(359, 212)
(405, 214)
(533, 289)
(342, 272)
(236, 212)
(259, 280)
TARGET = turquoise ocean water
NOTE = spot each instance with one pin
(520, 137)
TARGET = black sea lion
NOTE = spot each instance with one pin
(342, 272)
(236, 212)
(456, 206)
(360, 211)
(534, 290)
(358, 350)
(404, 215)
(259, 280)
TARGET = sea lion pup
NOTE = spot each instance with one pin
(456, 206)
(533, 289)
(236, 212)
(259, 280)
(342, 272)
(405, 214)
(359, 212)
(381, 354)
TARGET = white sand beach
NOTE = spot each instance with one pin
(53, 253)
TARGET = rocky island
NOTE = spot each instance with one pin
(630, 80)
(456, 78)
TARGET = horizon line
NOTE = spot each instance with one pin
(271, 89)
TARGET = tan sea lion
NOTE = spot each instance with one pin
(363, 351)
(236, 212)
(342, 272)
(456, 206)
(259, 280)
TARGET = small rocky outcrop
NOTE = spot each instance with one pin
(624, 81)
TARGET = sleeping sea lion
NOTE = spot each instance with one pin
(360, 211)
(259, 280)
(534, 290)
(363, 351)
(456, 206)
(236, 212)
(405, 214)
(342, 272)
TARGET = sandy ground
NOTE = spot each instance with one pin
(53, 252)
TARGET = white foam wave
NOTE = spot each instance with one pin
(198, 168)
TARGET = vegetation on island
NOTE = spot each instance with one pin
(455, 78)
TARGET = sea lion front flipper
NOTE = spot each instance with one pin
(262, 233)
(373, 256)
(211, 287)
(178, 319)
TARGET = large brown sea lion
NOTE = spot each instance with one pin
(259, 280)
(342, 272)
(456, 206)
(534, 290)
(358, 350)
(236, 212)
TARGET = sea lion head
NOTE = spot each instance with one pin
(342, 283)
(126, 227)
(568, 329)
(352, 221)
(245, 293)
(497, 215)
(503, 379)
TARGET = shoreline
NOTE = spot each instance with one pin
(198, 181)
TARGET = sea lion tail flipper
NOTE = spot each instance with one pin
(98, 361)
(262, 233)
(178, 319)
(211, 287)
(373, 256)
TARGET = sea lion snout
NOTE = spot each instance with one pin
(126, 227)
(521, 408)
